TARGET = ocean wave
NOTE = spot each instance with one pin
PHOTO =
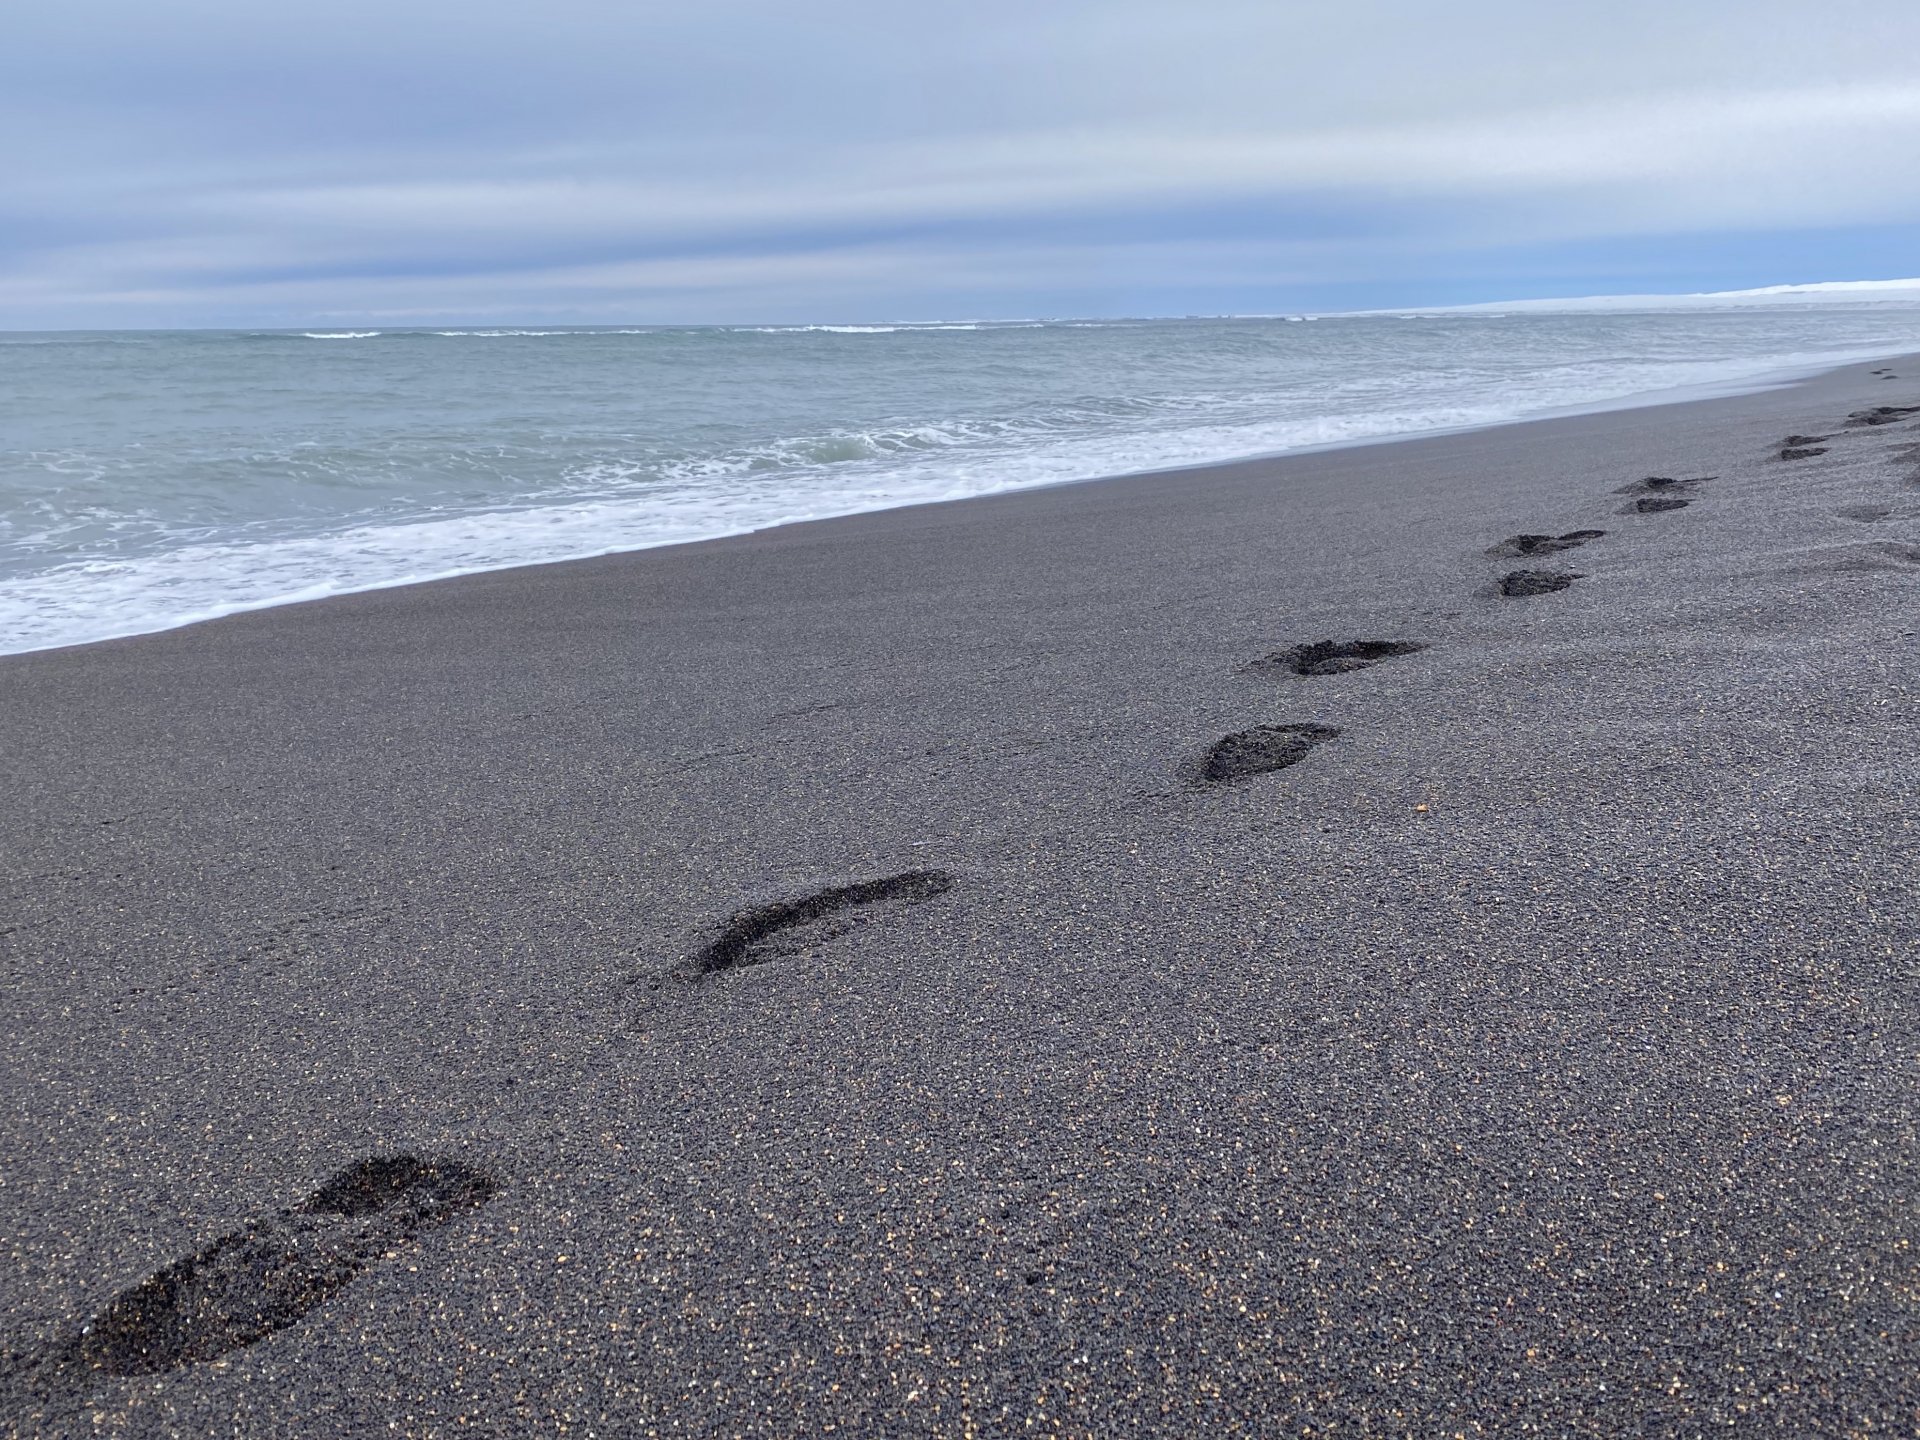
(639, 505)
(499, 334)
(815, 329)
(887, 329)
(71, 339)
(425, 469)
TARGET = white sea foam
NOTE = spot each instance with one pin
(896, 329)
(818, 329)
(467, 334)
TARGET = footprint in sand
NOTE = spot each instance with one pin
(1515, 546)
(1802, 447)
(1337, 657)
(1881, 415)
(1536, 582)
(1262, 750)
(1658, 493)
(1663, 485)
(789, 928)
(1865, 514)
(253, 1281)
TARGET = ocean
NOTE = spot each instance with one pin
(151, 479)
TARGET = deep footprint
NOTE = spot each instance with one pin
(1655, 504)
(1336, 657)
(1536, 582)
(792, 927)
(1801, 452)
(246, 1285)
(1262, 750)
(1520, 545)
(1882, 415)
(1662, 485)
(254, 1281)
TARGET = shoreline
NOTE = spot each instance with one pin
(1759, 383)
(858, 975)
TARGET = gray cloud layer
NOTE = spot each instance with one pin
(209, 162)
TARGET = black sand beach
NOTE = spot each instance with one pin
(835, 981)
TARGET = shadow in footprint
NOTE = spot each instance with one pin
(1536, 582)
(1802, 447)
(1656, 504)
(254, 1281)
(1518, 545)
(1663, 485)
(1865, 514)
(788, 928)
(1881, 415)
(1262, 750)
(1337, 657)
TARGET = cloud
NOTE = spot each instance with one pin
(222, 162)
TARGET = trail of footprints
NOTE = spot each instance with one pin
(1806, 447)
(275, 1270)
(798, 926)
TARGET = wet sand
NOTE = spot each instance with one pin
(969, 970)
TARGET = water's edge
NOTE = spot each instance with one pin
(1775, 378)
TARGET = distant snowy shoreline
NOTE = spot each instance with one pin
(1823, 292)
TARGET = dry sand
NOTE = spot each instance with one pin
(836, 981)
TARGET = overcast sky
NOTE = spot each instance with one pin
(211, 162)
